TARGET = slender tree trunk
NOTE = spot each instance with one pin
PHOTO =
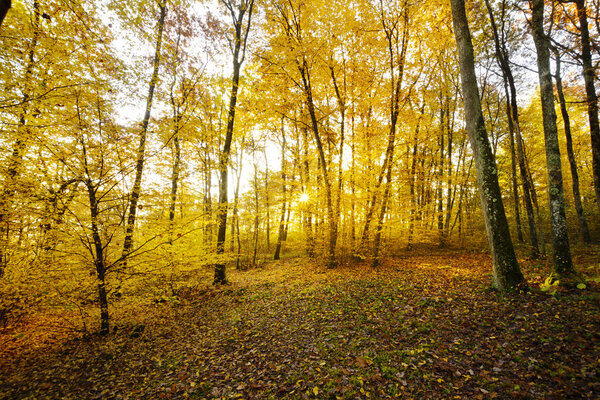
(235, 220)
(98, 259)
(353, 185)
(308, 226)
(238, 52)
(591, 96)
(141, 157)
(412, 181)
(397, 58)
(280, 236)
(583, 227)
(560, 240)
(332, 223)
(386, 195)
(208, 209)
(449, 183)
(267, 202)
(342, 106)
(256, 216)
(174, 178)
(513, 120)
(507, 274)
(440, 173)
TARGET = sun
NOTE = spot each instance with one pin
(303, 198)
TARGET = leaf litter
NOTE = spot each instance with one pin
(419, 327)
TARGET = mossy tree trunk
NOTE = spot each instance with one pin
(560, 240)
(507, 274)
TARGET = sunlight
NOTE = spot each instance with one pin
(303, 198)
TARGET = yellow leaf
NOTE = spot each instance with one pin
(316, 390)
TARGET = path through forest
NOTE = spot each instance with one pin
(420, 327)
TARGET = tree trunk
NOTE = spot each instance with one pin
(15, 160)
(280, 236)
(267, 202)
(591, 96)
(140, 159)
(583, 227)
(440, 173)
(513, 121)
(507, 274)
(256, 215)
(98, 259)
(332, 223)
(342, 108)
(395, 88)
(558, 221)
(238, 52)
(174, 178)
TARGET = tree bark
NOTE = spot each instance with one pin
(507, 274)
(560, 240)
(583, 226)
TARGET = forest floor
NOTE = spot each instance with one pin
(420, 327)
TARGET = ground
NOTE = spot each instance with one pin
(420, 327)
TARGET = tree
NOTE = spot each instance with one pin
(560, 241)
(583, 226)
(589, 76)
(241, 17)
(141, 151)
(512, 113)
(507, 274)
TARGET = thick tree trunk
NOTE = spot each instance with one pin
(583, 227)
(507, 274)
(591, 96)
(558, 221)
(141, 157)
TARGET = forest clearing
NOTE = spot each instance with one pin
(421, 326)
